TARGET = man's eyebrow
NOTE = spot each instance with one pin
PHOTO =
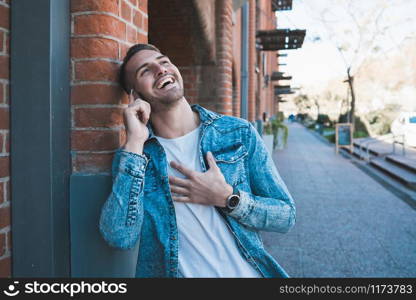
(145, 64)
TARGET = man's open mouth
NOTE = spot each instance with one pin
(165, 82)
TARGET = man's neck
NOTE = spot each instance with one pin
(176, 121)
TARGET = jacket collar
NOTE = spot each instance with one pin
(206, 116)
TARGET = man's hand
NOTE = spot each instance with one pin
(209, 188)
(136, 116)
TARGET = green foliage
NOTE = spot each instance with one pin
(272, 127)
(330, 138)
(343, 118)
(359, 124)
(267, 129)
(360, 134)
(324, 120)
(280, 116)
(276, 125)
(380, 120)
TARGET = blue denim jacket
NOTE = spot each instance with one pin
(140, 208)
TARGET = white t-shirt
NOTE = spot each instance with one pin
(207, 247)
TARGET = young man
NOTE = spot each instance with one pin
(191, 186)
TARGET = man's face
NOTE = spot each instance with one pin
(158, 81)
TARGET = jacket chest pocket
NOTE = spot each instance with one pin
(231, 160)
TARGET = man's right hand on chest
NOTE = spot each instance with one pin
(136, 116)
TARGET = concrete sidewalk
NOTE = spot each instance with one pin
(348, 225)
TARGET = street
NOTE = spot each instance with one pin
(348, 224)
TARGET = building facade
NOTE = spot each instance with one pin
(61, 106)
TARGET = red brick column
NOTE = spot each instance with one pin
(237, 64)
(224, 57)
(101, 33)
(5, 233)
(252, 61)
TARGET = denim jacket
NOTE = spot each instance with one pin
(140, 208)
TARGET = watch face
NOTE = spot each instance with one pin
(234, 200)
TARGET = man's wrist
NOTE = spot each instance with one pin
(228, 192)
(134, 147)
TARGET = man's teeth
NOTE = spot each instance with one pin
(165, 81)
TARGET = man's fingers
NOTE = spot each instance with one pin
(179, 190)
(144, 111)
(181, 199)
(173, 180)
(185, 171)
(141, 109)
(211, 160)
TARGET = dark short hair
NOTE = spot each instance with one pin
(132, 51)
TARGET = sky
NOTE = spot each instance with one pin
(316, 62)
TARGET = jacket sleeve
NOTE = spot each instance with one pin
(122, 213)
(269, 207)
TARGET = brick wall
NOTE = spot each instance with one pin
(224, 57)
(266, 20)
(101, 33)
(237, 64)
(197, 36)
(184, 30)
(5, 233)
(172, 29)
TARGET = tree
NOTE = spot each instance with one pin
(303, 103)
(361, 30)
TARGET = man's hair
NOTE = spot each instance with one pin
(132, 51)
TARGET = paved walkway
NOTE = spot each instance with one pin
(348, 225)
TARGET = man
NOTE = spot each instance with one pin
(191, 186)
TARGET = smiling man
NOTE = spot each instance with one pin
(191, 186)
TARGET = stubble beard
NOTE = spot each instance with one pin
(158, 104)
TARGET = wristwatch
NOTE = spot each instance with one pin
(232, 201)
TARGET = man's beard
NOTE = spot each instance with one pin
(166, 102)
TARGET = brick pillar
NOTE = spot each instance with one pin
(224, 57)
(237, 46)
(252, 61)
(102, 31)
(236, 90)
(5, 233)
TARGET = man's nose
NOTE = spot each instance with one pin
(160, 69)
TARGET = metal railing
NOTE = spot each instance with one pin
(365, 144)
(403, 143)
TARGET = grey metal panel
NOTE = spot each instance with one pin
(237, 4)
(91, 256)
(40, 137)
(244, 60)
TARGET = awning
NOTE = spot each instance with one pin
(280, 76)
(280, 39)
(288, 92)
(283, 90)
(281, 5)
